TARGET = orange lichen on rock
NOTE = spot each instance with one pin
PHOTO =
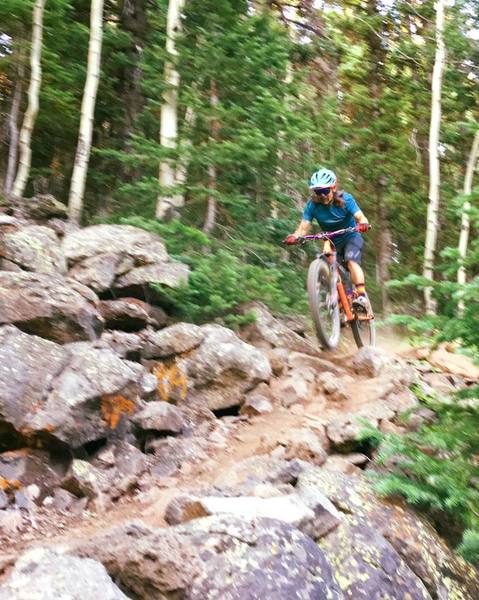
(10, 484)
(113, 406)
(169, 378)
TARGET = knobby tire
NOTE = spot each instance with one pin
(364, 332)
(319, 285)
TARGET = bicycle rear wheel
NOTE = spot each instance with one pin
(364, 332)
(325, 316)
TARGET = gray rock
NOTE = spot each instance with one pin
(74, 416)
(46, 305)
(371, 361)
(263, 468)
(29, 467)
(170, 454)
(160, 416)
(44, 206)
(175, 339)
(445, 576)
(222, 369)
(127, 314)
(292, 390)
(267, 328)
(171, 274)
(85, 480)
(124, 240)
(367, 566)
(216, 558)
(74, 394)
(256, 405)
(134, 257)
(333, 386)
(28, 368)
(288, 509)
(34, 248)
(4, 500)
(122, 343)
(11, 521)
(97, 272)
(345, 430)
(298, 360)
(306, 445)
(45, 573)
(278, 358)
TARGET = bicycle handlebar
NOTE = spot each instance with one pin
(330, 234)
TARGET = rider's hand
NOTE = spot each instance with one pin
(363, 227)
(290, 239)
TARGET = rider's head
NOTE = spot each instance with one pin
(323, 185)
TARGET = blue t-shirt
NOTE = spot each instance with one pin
(332, 218)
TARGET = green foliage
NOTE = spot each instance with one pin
(469, 547)
(437, 468)
(222, 277)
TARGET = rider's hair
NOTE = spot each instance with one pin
(338, 199)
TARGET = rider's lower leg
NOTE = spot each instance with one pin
(357, 277)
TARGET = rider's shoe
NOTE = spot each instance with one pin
(361, 303)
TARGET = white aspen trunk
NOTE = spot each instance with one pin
(210, 219)
(25, 137)
(82, 157)
(13, 132)
(464, 235)
(434, 166)
(169, 112)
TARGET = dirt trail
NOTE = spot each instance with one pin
(248, 438)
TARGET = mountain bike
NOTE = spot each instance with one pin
(331, 299)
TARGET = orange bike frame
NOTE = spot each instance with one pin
(330, 252)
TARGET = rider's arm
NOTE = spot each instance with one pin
(359, 217)
(303, 228)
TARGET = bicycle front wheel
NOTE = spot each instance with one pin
(325, 314)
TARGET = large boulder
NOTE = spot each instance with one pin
(74, 394)
(120, 256)
(45, 573)
(216, 557)
(49, 306)
(367, 566)
(272, 331)
(176, 339)
(222, 369)
(373, 521)
(34, 248)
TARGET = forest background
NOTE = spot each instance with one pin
(210, 117)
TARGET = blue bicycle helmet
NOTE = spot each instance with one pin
(324, 178)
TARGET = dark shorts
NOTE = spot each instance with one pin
(352, 250)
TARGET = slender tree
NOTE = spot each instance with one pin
(13, 130)
(210, 219)
(25, 137)
(434, 163)
(77, 186)
(169, 113)
(464, 235)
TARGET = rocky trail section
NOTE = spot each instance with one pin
(147, 459)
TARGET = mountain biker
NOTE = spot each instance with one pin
(335, 210)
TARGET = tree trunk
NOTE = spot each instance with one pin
(210, 219)
(133, 19)
(169, 114)
(464, 235)
(434, 166)
(82, 157)
(25, 137)
(384, 253)
(13, 131)
(381, 147)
